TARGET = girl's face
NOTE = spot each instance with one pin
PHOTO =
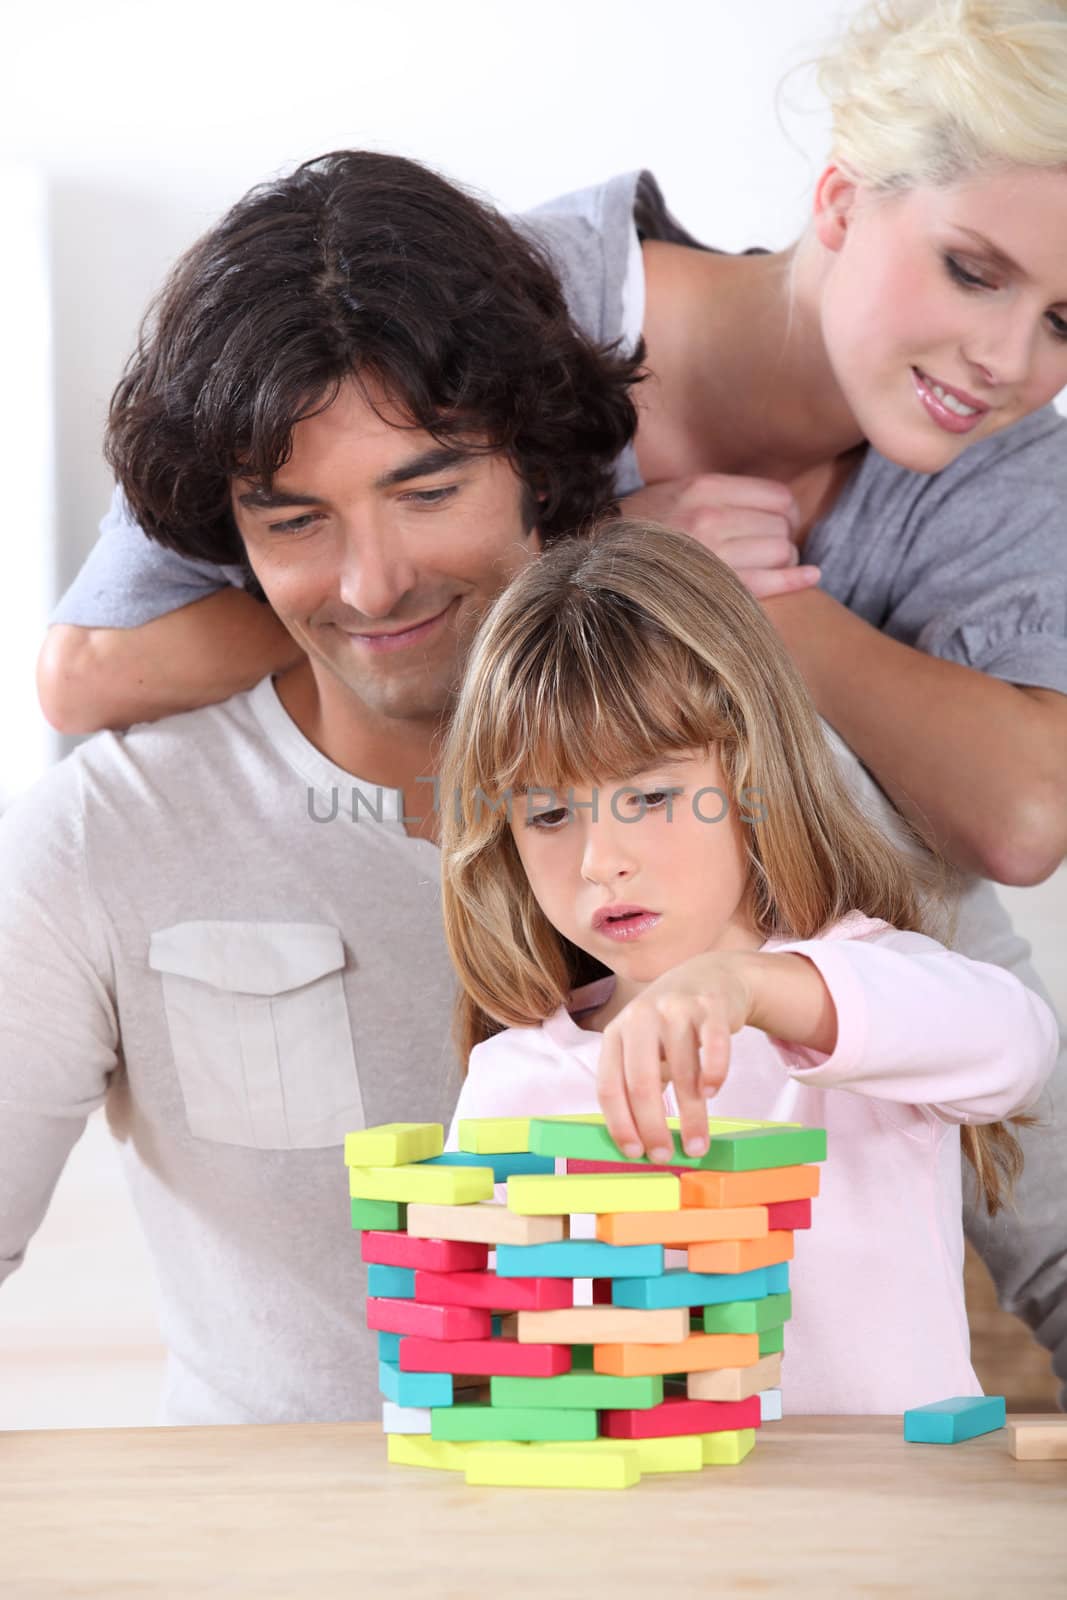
(944, 311)
(643, 872)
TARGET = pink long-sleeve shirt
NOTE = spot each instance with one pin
(927, 1040)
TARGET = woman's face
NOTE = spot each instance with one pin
(944, 311)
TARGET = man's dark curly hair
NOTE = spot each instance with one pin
(366, 264)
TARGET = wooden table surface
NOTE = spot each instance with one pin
(831, 1507)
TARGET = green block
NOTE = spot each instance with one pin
(579, 1390)
(772, 1341)
(744, 1151)
(387, 1216)
(519, 1424)
(749, 1316)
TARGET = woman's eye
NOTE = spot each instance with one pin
(548, 819)
(960, 275)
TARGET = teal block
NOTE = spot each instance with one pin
(414, 1388)
(747, 1151)
(952, 1421)
(579, 1390)
(395, 1283)
(513, 1423)
(579, 1258)
(384, 1216)
(389, 1347)
(777, 1278)
(504, 1166)
(676, 1287)
(748, 1316)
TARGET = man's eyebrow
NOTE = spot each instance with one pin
(438, 458)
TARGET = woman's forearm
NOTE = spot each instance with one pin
(93, 678)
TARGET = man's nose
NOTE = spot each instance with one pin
(375, 573)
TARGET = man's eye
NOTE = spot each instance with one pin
(548, 819)
(430, 497)
(296, 524)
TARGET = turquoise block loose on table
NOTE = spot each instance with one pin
(952, 1421)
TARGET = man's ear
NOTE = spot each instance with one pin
(835, 199)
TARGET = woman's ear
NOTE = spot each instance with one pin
(835, 198)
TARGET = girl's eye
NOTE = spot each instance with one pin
(548, 820)
(959, 274)
(656, 799)
(296, 524)
(1058, 325)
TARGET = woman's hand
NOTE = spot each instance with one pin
(677, 1031)
(750, 523)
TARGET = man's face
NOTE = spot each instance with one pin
(380, 551)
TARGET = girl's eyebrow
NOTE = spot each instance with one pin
(994, 251)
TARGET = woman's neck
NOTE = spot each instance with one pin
(742, 382)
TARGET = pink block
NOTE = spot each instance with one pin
(427, 1322)
(487, 1358)
(787, 1215)
(680, 1415)
(485, 1289)
(435, 1255)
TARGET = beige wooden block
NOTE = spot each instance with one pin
(603, 1325)
(483, 1223)
(1039, 1441)
(736, 1383)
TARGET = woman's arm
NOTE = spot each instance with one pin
(977, 764)
(93, 678)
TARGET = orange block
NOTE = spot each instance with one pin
(749, 1188)
(701, 1352)
(682, 1227)
(741, 1255)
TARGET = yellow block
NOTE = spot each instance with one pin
(442, 1186)
(419, 1450)
(681, 1452)
(482, 1223)
(495, 1136)
(535, 1194)
(729, 1448)
(544, 1466)
(394, 1144)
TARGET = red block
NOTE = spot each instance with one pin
(435, 1255)
(488, 1358)
(602, 1291)
(680, 1415)
(485, 1289)
(788, 1215)
(427, 1322)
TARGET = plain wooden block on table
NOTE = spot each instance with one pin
(603, 1325)
(483, 1223)
(433, 1255)
(445, 1186)
(678, 1415)
(727, 1449)
(513, 1424)
(749, 1188)
(541, 1195)
(692, 1225)
(699, 1353)
(741, 1255)
(735, 1383)
(488, 1358)
(491, 1293)
(1045, 1440)
(494, 1136)
(954, 1420)
(542, 1466)
(394, 1144)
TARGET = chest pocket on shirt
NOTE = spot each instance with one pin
(260, 1032)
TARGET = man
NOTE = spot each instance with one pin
(364, 388)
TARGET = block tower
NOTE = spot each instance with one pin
(518, 1350)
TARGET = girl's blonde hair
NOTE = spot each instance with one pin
(604, 656)
(930, 91)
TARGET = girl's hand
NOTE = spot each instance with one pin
(677, 1031)
(750, 523)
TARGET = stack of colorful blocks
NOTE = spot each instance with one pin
(489, 1362)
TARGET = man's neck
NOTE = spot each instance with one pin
(377, 750)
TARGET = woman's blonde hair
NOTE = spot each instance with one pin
(930, 91)
(604, 656)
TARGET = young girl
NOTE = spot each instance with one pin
(638, 793)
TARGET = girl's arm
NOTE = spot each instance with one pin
(977, 764)
(897, 1017)
(90, 678)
